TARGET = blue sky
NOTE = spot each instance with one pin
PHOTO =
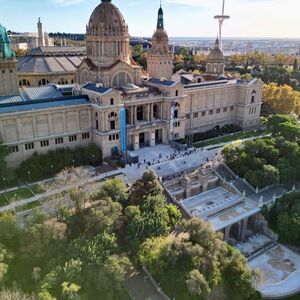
(249, 18)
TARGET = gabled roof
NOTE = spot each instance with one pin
(32, 94)
(48, 64)
(98, 89)
(42, 104)
(168, 83)
(39, 93)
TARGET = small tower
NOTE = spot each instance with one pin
(8, 72)
(160, 58)
(215, 61)
(41, 40)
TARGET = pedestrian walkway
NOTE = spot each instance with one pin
(41, 197)
(140, 287)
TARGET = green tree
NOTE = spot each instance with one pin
(148, 185)
(153, 218)
(115, 189)
(195, 262)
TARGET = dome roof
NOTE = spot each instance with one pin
(107, 20)
(216, 55)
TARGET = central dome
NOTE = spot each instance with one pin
(216, 55)
(107, 20)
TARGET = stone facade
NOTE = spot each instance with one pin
(158, 110)
(8, 77)
(41, 131)
(160, 58)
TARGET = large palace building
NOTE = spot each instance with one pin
(112, 105)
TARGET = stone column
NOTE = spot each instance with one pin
(136, 142)
(148, 113)
(35, 132)
(152, 138)
(151, 112)
(64, 122)
(134, 116)
(226, 235)
(244, 230)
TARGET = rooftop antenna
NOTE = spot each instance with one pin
(221, 18)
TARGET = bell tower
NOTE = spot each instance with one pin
(8, 71)
(160, 58)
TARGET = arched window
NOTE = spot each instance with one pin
(176, 93)
(140, 113)
(24, 82)
(121, 79)
(176, 110)
(72, 81)
(63, 81)
(112, 115)
(111, 101)
(155, 111)
(128, 121)
(43, 82)
(84, 76)
(253, 96)
(96, 121)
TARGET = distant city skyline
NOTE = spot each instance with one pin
(183, 18)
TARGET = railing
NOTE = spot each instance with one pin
(156, 286)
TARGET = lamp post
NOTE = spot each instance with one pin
(28, 175)
(4, 182)
(93, 156)
(73, 161)
(52, 170)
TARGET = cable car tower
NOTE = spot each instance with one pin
(221, 18)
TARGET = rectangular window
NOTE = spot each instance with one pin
(13, 149)
(195, 115)
(177, 124)
(72, 138)
(176, 136)
(211, 112)
(218, 110)
(203, 114)
(29, 146)
(112, 125)
(59, 141)
(85, 136)
(45, 143)
(113, 137)
(232, 108)
(225, 109)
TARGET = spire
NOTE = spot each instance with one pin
(160, 18)
(217, 43)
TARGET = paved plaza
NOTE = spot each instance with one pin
(278, 272)
(166, 161)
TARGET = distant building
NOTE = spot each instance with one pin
(30, 40)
